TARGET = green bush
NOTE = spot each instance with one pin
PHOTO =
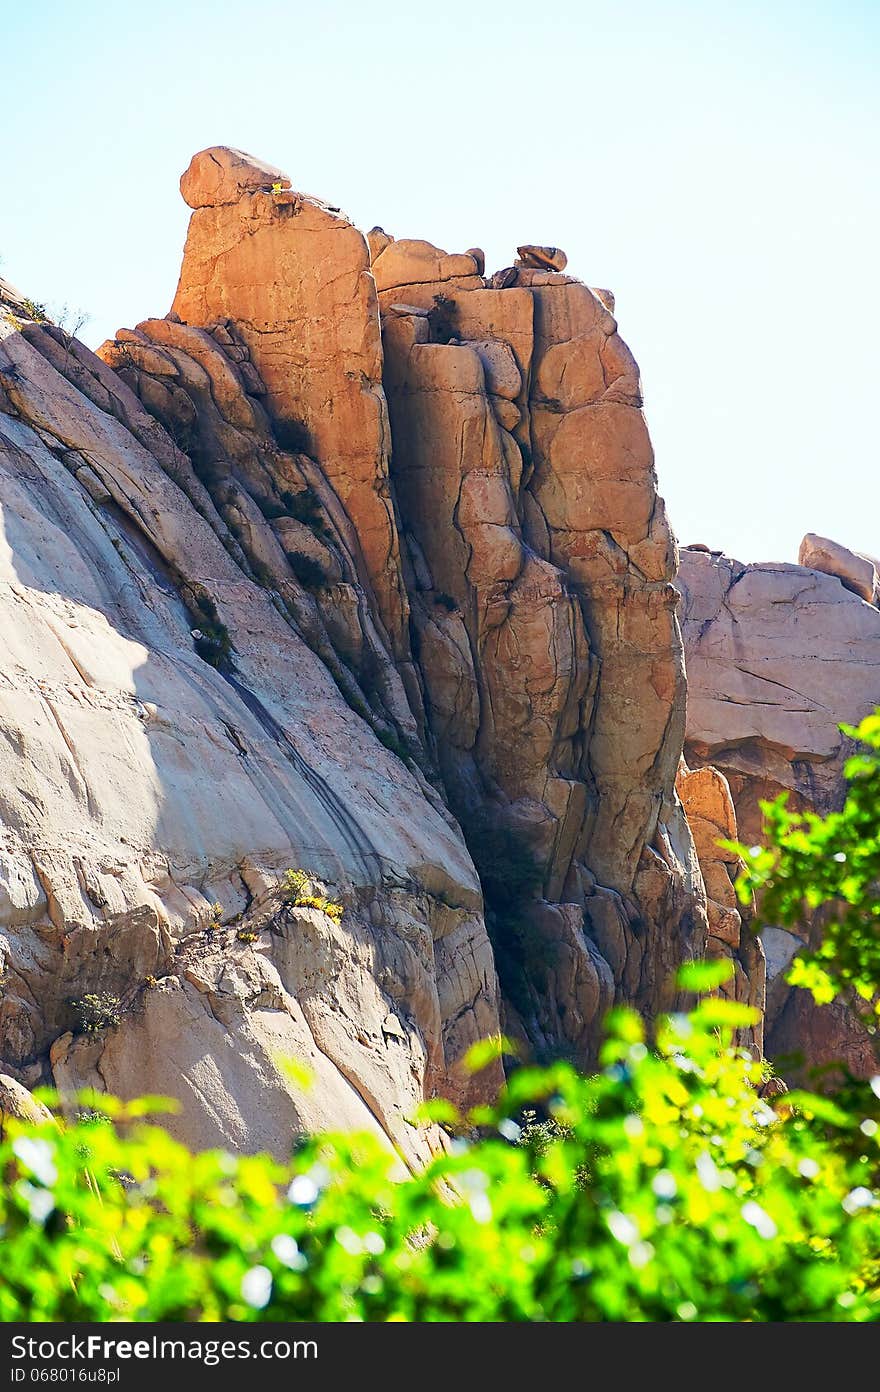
(96, 1011)
(828, 866)
(665, 1189)
(36, 311)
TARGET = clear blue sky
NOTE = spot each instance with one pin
(714, 164)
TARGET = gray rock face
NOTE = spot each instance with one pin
(777, 656)
(142, 785)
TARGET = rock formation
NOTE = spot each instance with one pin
(355, 551)
(777, 656)
(171, 746)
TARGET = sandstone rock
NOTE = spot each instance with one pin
(502, 280)
(706, 798)
(416, 264)
(221, 175)
(377, 240)
(777, 656)
(209, 679)
(856, 572)
(542, 258)
(557, 585)
(297, 282)
(155, 785)
(17, 1103)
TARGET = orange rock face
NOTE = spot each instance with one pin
(548, 642)
(330, 389)
(706, 798)
(293, 275)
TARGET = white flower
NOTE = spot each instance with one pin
(40, 1202)
(759, 1219)
(256, 1287)
(286, 1249)
(622, 1227)
(664, 1185)
(349, 1241)
(303, 1191)
(480, 1207)
(857, 1198)
(708, 1173)
(640, 1254)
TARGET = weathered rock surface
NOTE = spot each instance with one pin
(705, 796)
(294, 278)
(547, 636)
(142, 785)
(857, 572)
(777, 656)
(352, 549)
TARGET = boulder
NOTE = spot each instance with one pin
(855, 571)
(542, 258)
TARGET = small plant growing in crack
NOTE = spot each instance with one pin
(36, 311)
(327, 906)
(96, 1011)
(294, 884)
(295, 887)
(246, 936)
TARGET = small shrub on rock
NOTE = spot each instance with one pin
(97, 1011)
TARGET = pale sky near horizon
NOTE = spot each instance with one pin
(713, 164)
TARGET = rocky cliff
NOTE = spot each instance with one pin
(777, 656)
(353, 564)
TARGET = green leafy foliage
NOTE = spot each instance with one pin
(829, 865)
(662, 1188)
(298, 888)
(95, 1011)
(36, 311)
(295, 883)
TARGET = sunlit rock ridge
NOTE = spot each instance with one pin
(354, 563)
